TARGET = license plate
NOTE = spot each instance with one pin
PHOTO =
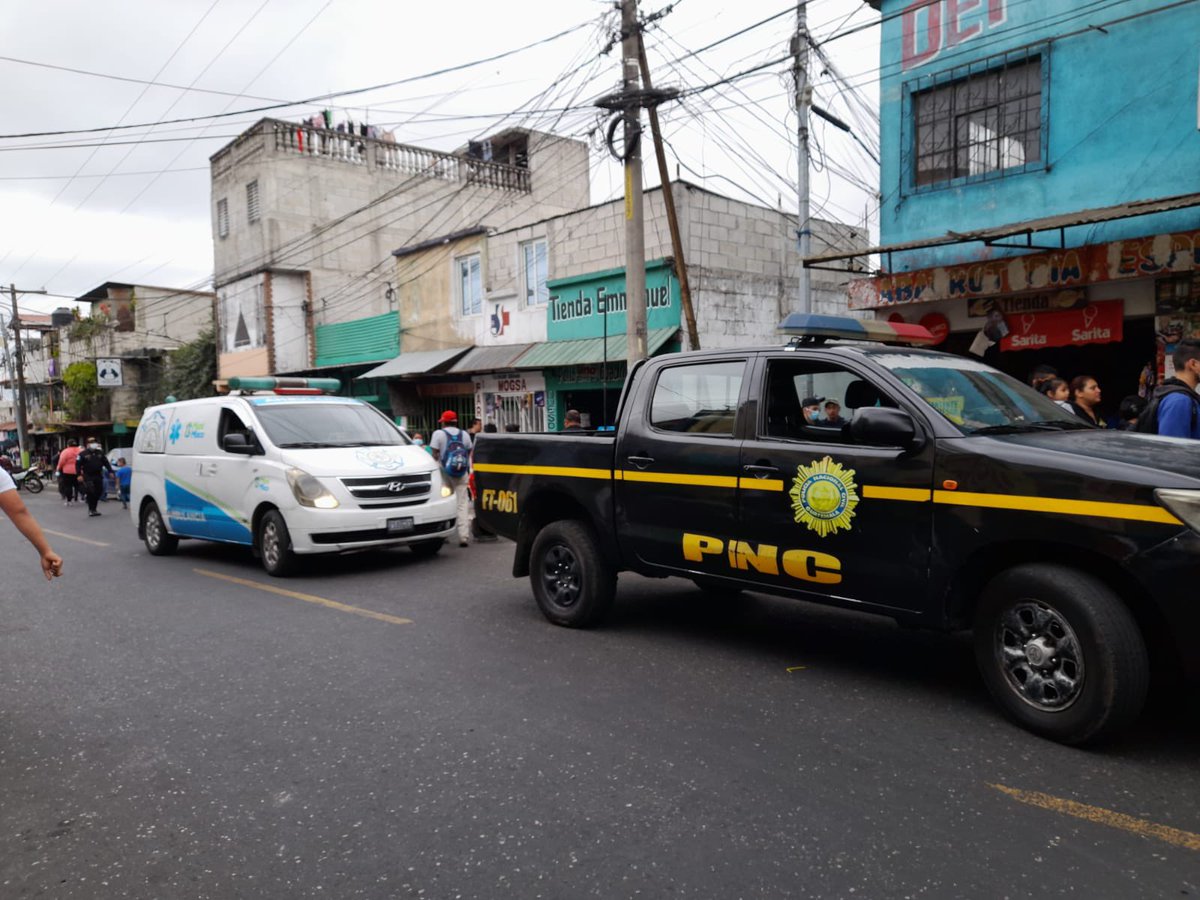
(399, 526)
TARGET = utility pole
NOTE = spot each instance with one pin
(22, 428)
(635, 234)
(664, 177)
(803, 102)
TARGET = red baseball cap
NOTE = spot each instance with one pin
(449, 416)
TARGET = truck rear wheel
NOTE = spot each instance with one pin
(572, 582)
(1061, 653)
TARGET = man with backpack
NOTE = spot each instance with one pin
(451, 448)
(1174, 410)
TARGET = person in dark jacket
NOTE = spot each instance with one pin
(1177, 406)
(92, 463)
(1085, 399)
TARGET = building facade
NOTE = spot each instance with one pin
(306, 216)
(517, 325)
(1040, 191)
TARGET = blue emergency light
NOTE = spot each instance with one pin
(813, 328)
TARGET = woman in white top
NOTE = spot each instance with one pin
(14, 507)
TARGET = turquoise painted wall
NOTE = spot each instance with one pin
(574, 310)
(1120, 116)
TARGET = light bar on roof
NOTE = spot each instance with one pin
(282, 385)
(817, 327)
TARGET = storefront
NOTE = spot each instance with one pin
(1111, 311)
(584, 357)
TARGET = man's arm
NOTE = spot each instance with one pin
(14, 507)
(1175, 415)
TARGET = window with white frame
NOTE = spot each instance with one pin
(252, 201)
(222, 218)
(470, 284)
(534, 259)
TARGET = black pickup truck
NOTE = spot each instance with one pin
(950, 497)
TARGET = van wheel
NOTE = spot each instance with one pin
(275, 545)
(572, 582)
(1061, 653)
(426, 549)
(159, 541)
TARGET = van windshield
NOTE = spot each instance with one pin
(307, 425)
(976, 398)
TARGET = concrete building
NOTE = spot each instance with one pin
(128, 331)
(516, 325)
(305, 217)
(1039, 172)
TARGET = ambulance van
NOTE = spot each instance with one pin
(283, 468)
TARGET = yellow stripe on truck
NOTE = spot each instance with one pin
(1100, 508)
(559, 471)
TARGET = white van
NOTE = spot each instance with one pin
(284, 473)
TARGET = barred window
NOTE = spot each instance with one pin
(983, 123)
(252, 200)
(222, 218)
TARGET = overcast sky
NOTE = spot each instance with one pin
(133, 205)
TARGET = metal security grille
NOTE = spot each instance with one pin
(252, 201)
(982, 123)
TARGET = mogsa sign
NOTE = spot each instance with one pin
(590, 306)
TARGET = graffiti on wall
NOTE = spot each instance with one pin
(1053, 271)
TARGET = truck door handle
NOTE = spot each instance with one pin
(641, 462)
(761, 471)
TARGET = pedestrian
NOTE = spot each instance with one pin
(419, 440)
(451, 448)
(68, 472)
(1040, 375)
(92, 465)
(573, 421)
(1085, 399)
(124, 480)
(18, 513)
(1174, 409)
(1057, 390)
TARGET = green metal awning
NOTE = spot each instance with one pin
(591, 350)
(416, 363)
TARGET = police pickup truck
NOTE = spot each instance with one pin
(950, 496)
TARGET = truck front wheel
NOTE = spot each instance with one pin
(573, 584)
(1061, 653)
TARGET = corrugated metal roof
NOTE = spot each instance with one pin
(1030, 227)
(414, 363)
(490, 359)
(591, 350)
(366, 340)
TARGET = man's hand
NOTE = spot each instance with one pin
(52, 565)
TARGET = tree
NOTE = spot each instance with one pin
(82, 390)
(192, 369)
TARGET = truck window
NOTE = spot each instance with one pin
(837, 392)
(698, 399)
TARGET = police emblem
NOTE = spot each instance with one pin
(824, 496)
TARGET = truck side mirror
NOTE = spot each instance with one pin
(237, 443)
(881, 426)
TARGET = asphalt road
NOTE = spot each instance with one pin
(404, 728)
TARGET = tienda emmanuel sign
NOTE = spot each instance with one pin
(1096, 323)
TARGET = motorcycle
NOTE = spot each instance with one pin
(28, 479)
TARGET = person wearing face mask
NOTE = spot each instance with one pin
(812, 410)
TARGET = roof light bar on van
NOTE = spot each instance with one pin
(285, 385)
(809, 328)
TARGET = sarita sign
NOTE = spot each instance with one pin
(590, 306)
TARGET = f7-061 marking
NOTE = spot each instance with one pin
(499, 501)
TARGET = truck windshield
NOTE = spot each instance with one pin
(307, 425)
(976, 398)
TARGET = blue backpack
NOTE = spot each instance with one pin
(455, 458)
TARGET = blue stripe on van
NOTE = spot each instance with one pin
(195, 516)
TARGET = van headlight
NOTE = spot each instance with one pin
(1185, 505)
(309, 491)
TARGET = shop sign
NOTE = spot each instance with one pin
(592, 373)
(979, 307)
(518, 383)
(1096, 323)
(591, 306)
(1051, 272)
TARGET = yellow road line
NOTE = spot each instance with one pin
(1185, 839)
(75, 537)
(307, 598)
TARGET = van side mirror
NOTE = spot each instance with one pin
(237, 443)
(881, 426)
